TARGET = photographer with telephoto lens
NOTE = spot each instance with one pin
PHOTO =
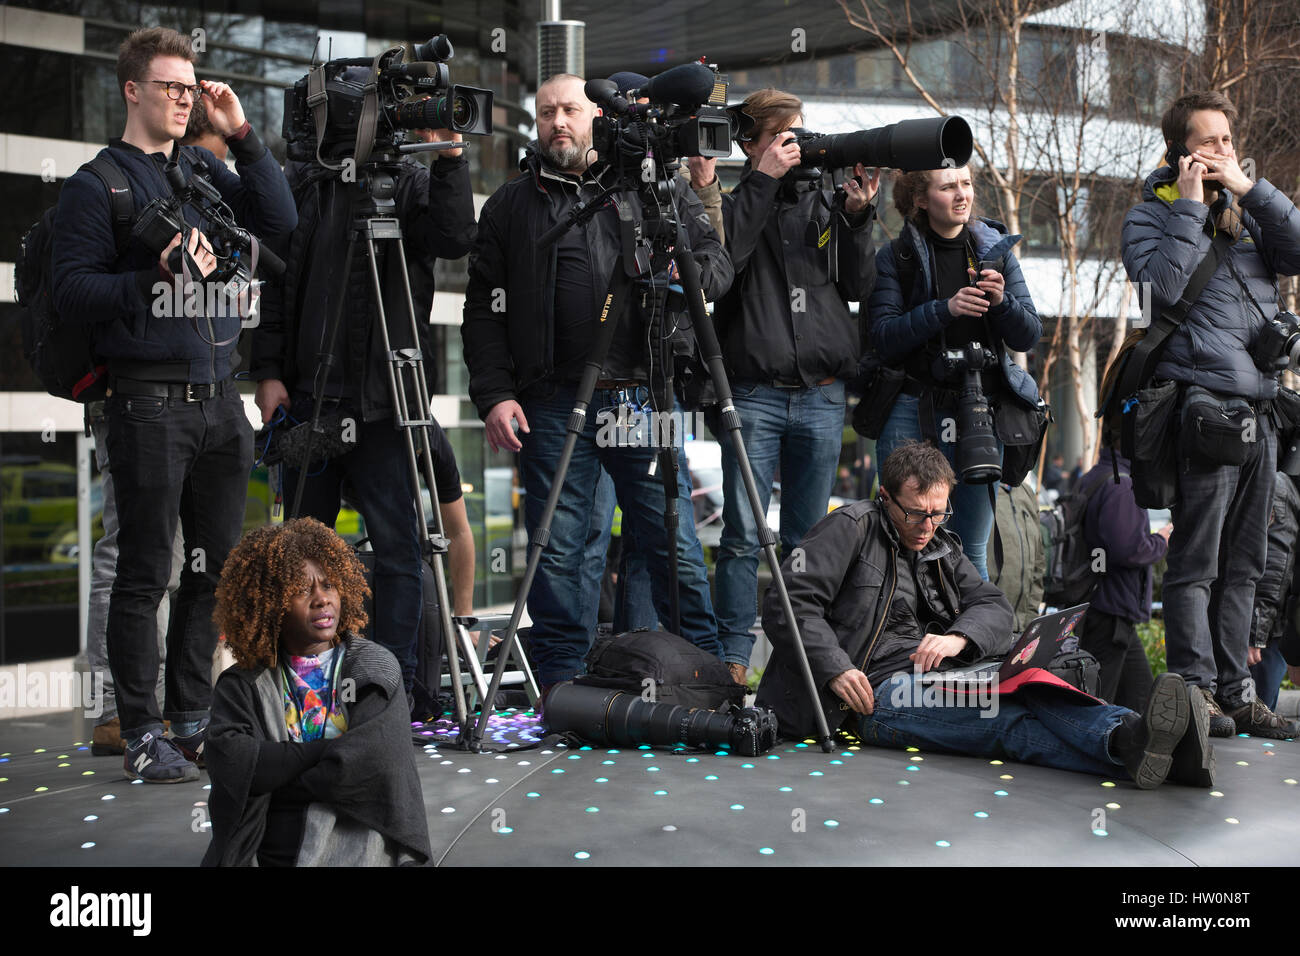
(949, 300)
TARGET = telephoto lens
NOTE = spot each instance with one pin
(605, 717)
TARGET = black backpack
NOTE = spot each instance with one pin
(61, 349)
(1070, 576)
(663, 668)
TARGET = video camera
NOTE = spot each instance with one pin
(685, 116)
(355, 106)
(237, 250)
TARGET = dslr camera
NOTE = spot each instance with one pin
(1278, 345)
(978, 460)
(324, 112)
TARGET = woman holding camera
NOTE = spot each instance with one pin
(948, 302)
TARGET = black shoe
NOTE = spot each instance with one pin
(1193, 763)
(1257, 720)
(1145, 743)
(1221, 725)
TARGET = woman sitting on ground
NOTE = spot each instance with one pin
(309, 745)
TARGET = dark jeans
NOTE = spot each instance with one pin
(378, 474)
(172, 460)
(1125, 671)
(631, 600)
(559, 609)
(1268, 674)
(1216, 557)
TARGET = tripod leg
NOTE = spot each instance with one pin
(708, 339)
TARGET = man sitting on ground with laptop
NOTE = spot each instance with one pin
(882, 594)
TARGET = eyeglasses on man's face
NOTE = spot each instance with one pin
(917, 518)
(175, 88)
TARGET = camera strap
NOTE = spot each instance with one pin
(367, 122)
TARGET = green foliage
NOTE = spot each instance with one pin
(1152, 636)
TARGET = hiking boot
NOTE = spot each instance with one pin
(1193, 763)
(107, 739)
(1145, 743)
(191, 747)
(1257, 720)
(1221, 725)
(158, 760)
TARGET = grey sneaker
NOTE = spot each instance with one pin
(158, 760)
(1257, 720)
(1221, 725)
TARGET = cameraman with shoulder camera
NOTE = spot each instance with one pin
(435, 208)
(789, 343)
(1221, 356)
(530, 318)
(179, 441)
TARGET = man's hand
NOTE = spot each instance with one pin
(1190, 174)
(200, 251)
(223, 107)
(969, 300)
(992, 283)
(1225, 169)
(781, 156)
(441, 136)
(854, 689)
(934, 648)
(703, 170)
(1253, 654)
(498, 424)
(1166, 532)
(271, 394)
(860, 196)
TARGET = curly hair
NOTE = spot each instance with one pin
(262, 573)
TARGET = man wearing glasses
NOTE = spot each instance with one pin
(178, 439)
(882, 594)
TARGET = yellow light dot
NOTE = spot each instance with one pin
(1242, 763)
(39, 750)
(63, 756)
(1216, 793)
(1112, 806)
(1231, 820)
(65, 765)
(914, 750)
(1107, 783)
(995, 763)
(1287, 780)
(87, 773)
(41, 789)
(1006, 776)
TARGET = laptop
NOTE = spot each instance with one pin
(1038, 644)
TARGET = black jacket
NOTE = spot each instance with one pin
(1277, 587)
(509, 327)
(841, 594)
(113, 290)
(367, 775)
(783, 319)
(436, 212)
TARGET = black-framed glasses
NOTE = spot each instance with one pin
(175, 88)
(918, 517)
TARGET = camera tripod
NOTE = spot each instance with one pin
(642, 239)
(374, 221)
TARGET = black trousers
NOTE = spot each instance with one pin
(1125, 672)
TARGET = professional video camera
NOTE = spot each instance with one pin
(613, 718)
(1278, 346)
(238, 252)
(685, 116)
(978, 458)
(350, 104)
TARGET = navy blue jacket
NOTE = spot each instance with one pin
(112, 290)
(1115, 523)
(903, 321)
(1165, 240)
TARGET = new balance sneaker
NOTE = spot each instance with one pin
(1194, 756)
(1145, 743)
(1257, 720)
(158, 760)
(191, 747)
(1221, 725)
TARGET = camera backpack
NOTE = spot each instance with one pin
(1070, 577)
(661, 667)
(61, 350)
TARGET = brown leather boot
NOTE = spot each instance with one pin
(107, 739)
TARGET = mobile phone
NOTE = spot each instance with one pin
(1176, 152)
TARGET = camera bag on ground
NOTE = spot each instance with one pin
(1148, 426)
(659, 666)
(1070, 577)
(60, 349)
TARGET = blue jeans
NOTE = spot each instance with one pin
(560, 596)
(634, 603)
(802, 430)
(1041, 726)
(1268, 674)
(1216, 557)
(972, 511)
(378, 474)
